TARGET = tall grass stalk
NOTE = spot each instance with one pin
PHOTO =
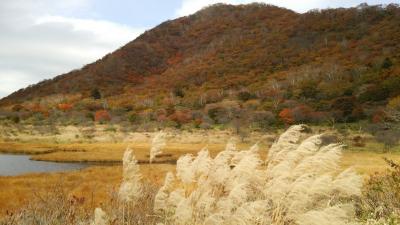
(300, 183)
(157, 144)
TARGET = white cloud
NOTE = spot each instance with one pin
(105, 31)
(191, 6)
(37, 43)
(11, 80)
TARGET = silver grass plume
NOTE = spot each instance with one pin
(161, 198)
(231, 145)
(300, 184)
(100, 217)
(131, 186)
(157, 144)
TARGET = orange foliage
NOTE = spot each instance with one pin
(378, 117)
(175, 59)
(286, 116)
(310, 59)
(17, 108)
(65, 106)
(37, 108)
(181, 116)
(102, 115)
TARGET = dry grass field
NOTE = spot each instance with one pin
(95, 185)
(102, 152)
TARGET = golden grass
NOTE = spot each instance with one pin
(96, 183)
(25, 148)
(367, 162)
(102, 152)
(99, 181)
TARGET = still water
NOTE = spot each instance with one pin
(11, 165)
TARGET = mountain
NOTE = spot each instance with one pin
(333, 63)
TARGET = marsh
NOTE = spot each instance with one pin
(11, 165)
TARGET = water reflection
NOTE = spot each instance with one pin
(11, 165)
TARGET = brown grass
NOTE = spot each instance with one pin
(94, 184)
(25, 148)
(368, 162)
(102, 152)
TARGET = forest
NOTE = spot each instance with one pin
(253, 66)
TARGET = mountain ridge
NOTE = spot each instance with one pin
(153, 62)
(280, 58)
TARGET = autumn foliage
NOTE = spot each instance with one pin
(65, 107)
(102, 115)
(334, 64)
(286, 115)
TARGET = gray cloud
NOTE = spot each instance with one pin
(37, 42)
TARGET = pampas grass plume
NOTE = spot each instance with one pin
(131, 186)
(157, 144)
(299, 184)
(100, 217)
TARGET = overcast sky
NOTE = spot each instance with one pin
(40, 39)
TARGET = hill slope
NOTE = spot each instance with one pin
(336, 63)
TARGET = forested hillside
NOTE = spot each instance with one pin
(250, 64)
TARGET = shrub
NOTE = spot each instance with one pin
(14, 118)
(181, 116)
(133, 117)
(217, 113)
(178, 92)
(263, 119)
(358, 141)
(95, 94)
(252, 104)
(90, 116)
(64, 107)
(245, 95)
(17, 108)
(102, 116)
(308, 88)
(93, 106)
(386, 64)
(394, 103)
(53, 207)
(379, 116)
(357, 113)
(302, 113)
(213, 96)
(205, 125)
(381, 202)
(391, 86)
(346, 106)
(319, 117)
(286, 115)
(388, 137)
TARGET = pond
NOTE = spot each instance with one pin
(12, 165)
